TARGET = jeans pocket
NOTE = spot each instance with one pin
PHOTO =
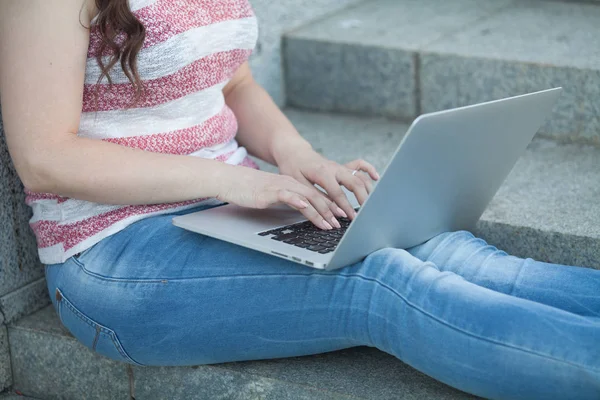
(78, 256)
(95, 336)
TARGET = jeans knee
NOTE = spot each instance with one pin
(391, 257)
(433, 246)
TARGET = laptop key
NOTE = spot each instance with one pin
(306, 235)
(284, 237)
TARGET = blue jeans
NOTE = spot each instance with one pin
(454, 308)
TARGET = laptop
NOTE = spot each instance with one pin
(445, 171)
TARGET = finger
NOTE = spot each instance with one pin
(302, 204)
(300, 178)
(337, 211)
(366, 180)
(362, 165)
(354, 184)
(335, 193)
(321, 204)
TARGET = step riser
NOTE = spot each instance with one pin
(525, 242)
(353, 79)
(400, 84)
(451, 81)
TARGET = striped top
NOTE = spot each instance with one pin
(192, 49)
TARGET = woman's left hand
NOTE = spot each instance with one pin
(310, 167)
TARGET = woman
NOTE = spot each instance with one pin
(151, 113)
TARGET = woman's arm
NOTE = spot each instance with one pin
(268, 134)
(263, 129)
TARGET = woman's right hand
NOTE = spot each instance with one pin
(248, 187)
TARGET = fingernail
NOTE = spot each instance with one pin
(342, 213)
(376, 176)
(327, 225)
(335, 222)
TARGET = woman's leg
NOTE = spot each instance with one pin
(172, 297)
(573, 289)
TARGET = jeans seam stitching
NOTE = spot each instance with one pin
(119, 348)
(96, 339)
(83, 318)
(96, 325)
(456, 328)
(106, 278)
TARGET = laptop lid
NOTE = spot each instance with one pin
(446, 170)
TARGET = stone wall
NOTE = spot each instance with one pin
(22, 283)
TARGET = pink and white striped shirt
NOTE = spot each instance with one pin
(192, 49)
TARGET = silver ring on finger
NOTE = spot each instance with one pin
(354, 172)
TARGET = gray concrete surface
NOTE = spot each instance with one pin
(528, 46)
(275, 18)
(364, 59)
(402, 58)
(50, 364)
(20, 269)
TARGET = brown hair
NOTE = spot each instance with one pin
(114, 20)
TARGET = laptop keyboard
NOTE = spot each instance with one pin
(307, 236)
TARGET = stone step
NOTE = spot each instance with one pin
(49, 363)
(400, 58)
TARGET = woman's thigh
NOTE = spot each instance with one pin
(167, 296)
(570, 288)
